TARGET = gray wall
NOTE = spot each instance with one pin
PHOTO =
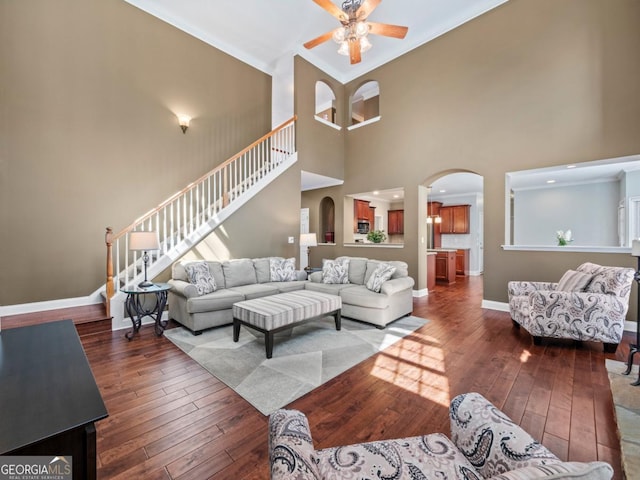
(590, 211)
(89, 136)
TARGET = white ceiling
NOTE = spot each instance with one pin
(260, 32)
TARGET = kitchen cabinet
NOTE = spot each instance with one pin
(395, 222)
(462, 261)
(361, 210)
(431, 270)
(372, 218)
(446, 266)
(455, 219)
(361, 213)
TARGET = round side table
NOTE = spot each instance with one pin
(138, 308)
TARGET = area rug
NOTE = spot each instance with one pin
(626, 399)
(303, 358)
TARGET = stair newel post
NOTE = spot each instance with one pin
(108, 240)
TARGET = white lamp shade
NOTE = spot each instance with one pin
(635, 248)
(143, 241)
(308, 240)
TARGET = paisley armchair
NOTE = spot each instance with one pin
(484, 444)
(589, 304)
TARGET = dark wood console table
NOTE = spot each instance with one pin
(49, 398)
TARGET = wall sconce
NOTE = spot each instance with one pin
(183, 121)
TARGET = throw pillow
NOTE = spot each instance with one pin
(560, 470)
(335, 271)
(379, 276)
(282, 269)
(200, 276)
(574, 281)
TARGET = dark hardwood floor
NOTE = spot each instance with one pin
(169, 418)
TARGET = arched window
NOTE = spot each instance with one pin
(325, 103)
(365, 103)
(327, 220)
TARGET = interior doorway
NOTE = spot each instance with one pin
(455, 219)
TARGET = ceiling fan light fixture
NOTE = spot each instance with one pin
(344, 48)
(365, 44)
(339, 35)
(362, 29)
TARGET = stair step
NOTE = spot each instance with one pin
(88, 318)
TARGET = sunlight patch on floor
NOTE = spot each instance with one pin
(416, 367)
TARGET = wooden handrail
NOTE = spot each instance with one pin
(155, 210)
(218, 188)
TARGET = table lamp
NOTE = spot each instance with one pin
(308, 240)
(144, 242)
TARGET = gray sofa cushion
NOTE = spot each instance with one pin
(261, 266)
(284, 287)
(239, 272)
(218, 300)
(255, 290)
(357, 269)
(332, 288)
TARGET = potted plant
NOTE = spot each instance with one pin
(376, 236)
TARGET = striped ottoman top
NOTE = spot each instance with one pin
(283, 309)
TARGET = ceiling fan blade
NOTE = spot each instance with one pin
(321, 39)
(354, 51)
(366, 8)
(395, 31)
(330, 7)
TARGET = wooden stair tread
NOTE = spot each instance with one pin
(79, 315)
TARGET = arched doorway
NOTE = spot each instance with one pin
(327, 220)
(454, 220)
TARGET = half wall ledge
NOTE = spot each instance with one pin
(566, 248)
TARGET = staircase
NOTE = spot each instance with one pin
(187, 217)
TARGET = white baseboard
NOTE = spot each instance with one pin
(7, 310)
(126, 323)
(491, 305)
(421, 293)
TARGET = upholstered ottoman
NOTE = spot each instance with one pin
(274, 313)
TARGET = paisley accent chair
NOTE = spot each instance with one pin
(595, 312)
(484, 444)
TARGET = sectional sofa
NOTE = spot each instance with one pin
(244, 279)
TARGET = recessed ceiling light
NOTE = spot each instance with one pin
(571, 166)
(376, 192)
(442, 191)
(551, 181)
(396, 196)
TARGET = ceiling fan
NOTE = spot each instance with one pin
(352, 35)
